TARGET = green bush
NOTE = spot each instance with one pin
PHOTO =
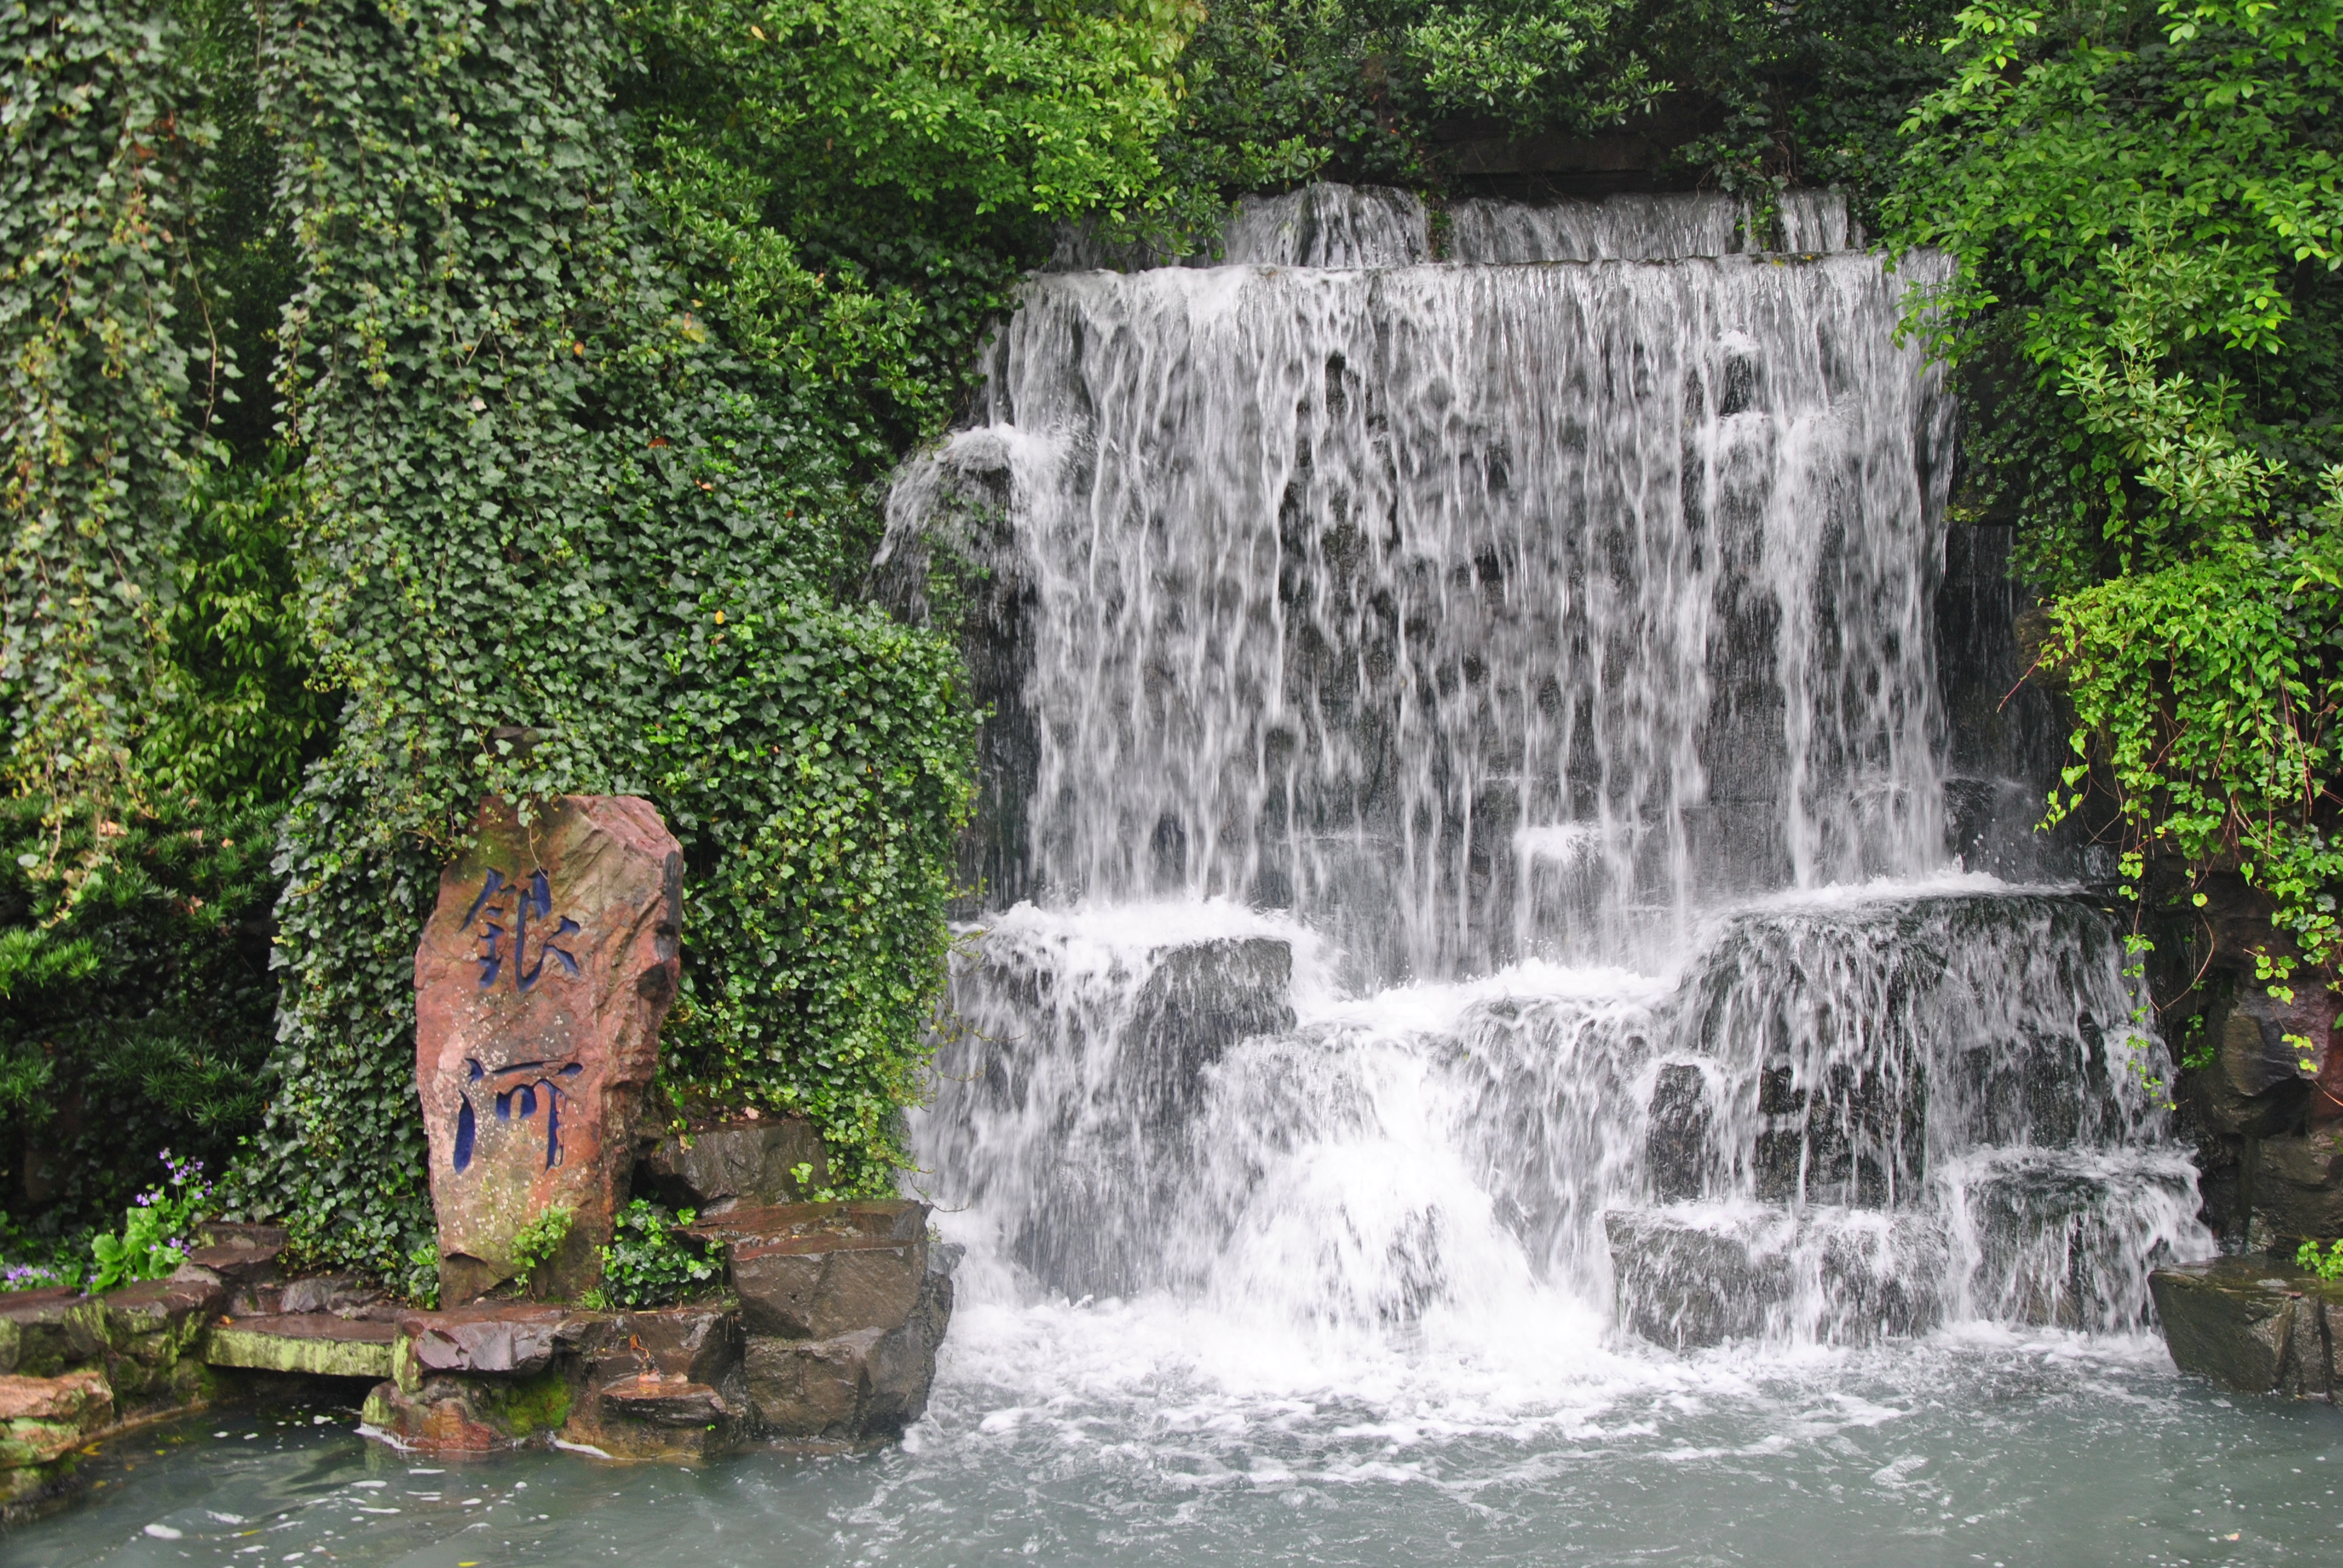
(136, 1010)
(651, 1263)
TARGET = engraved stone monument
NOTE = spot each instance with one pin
(539, 987)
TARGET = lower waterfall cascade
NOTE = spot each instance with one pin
(1483, 837)
(1514, 1011)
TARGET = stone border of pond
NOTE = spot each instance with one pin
(827, 1339)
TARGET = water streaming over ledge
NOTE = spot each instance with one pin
(1591, 1185)
(1476, 810)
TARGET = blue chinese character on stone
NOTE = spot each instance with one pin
(505, 908)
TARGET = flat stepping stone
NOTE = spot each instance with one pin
(318, 1344)
(665, 1400)
(513, 1339)
(2257, 1325)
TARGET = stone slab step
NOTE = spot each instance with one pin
(318, 1344)
(508, 1339)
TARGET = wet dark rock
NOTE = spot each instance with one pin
(346, 1295)
(800, 1278)
(2252, 1325)
(238, 1267)
(1859, 1137)
(464, 1415)
(738, 1162)
(1120, 1153)
(153, 1332)
(505, 1338)
(2250, 1033)
(43, 1333)
(869, 1384)
(2213, 1100)
(1686, 1286)
(697, 1344)
(2299, 1186)
(1676, 1145)
(1201, 999)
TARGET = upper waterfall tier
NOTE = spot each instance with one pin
(1340, 226)
(1469, 611)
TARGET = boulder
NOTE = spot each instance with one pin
(43, 1333)
(2299, 1186)
(1200, 999)
(153, 1331)
(2252, 1325)
(1676, 1142)
(815, 1270)
(46, 1418)
(542, 978)
(859, 1387)
(697, 1344)
(2251, 1032)
(1687, 1285)
(844, 1306)
(735, 1163)
(344, 1295)
(663, 1416)
(447, 1415)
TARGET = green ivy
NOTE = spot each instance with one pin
(93, 454)
(651, 1263)
(2140, 198)
(556, 536)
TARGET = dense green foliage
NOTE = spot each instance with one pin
(651, 1263)
(410, 402)
(93, 457)
(136, 1012)
(2143, 201)
(1744, 97)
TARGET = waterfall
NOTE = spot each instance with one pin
(1465, 833)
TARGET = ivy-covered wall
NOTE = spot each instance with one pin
(410, 400)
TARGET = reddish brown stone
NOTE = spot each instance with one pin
(540, 985)
(71, 1397)
(513, 1339)
(238, 1267)
(698, 1344)
(436, 1422)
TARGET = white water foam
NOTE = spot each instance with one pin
(1481, 950)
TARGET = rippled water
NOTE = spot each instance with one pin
(1131, 1434)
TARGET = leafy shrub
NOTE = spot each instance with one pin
(154, 1238)
(542, 1237)
(136, 1010)
(651, 1263)
(2328, 1265)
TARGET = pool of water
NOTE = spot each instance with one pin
(1139, 1434)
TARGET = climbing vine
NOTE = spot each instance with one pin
(554, 536)
(2142, 202)
(94, 456)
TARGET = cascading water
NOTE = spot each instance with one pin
(1487, 1035)
(1467, 838)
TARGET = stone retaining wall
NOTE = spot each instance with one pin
(829, 1338)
